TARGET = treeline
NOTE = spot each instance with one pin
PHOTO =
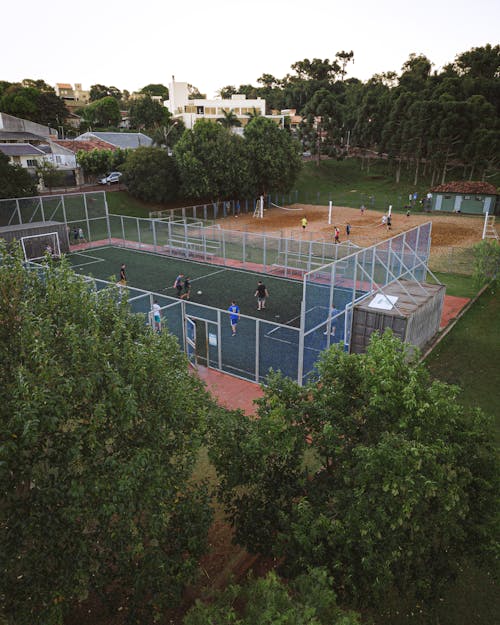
(423, 119)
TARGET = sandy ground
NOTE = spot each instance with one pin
(367, 229)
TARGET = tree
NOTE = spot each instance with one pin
(49, 174)
(307, 600)
(273, 156)
(103, 113)
(14, 180)
(151, 174)
(146, 113)
(97, 92)
(372, 471)
(156, 89)
(42, 107)
(167, 135)
(212, 162)
(95, 163)
(99, 442)
(229, 119)
(486, 262)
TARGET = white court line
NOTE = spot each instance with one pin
(293, 319)
(95, 260)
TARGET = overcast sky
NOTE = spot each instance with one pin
(214, 43)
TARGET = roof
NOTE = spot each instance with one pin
(20, 149)
(23, 137)
(64, 85)
(87, 145)
(121, 140)
(468, 187)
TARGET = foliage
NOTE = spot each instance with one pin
(229, 119)
(156, 89)
(15, 181)
(34, 101)
(307, 600)
(273, 156)
(101, 424)
(486, 261)
(167, 135)
(50, 175)
(146, 113)
(96, 162)
(98, 92)
(151, 174)
(400, 487)
(103, 113)
(212, 162)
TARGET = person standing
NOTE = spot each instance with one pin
(261, 293)
(187, 288)
(178, 284)
(362, 210)
(81, 236)
(336, 235)
(389, 222)
(348, 229)
(384, 219)
(333, 321)
(234, 316)
(156, 310)
(303, 222)
(123, 275)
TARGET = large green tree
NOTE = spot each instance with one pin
(39, 103)
(151, 174)
(103, 113)
(212, 162)
(155, 89)
(372, 471)
(14, 180)
(273, 156)
(146, 113)
(100, 422)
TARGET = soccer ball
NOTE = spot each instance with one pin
(199, 292)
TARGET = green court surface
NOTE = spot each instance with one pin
(218, 285)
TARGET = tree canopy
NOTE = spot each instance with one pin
(33, 100)
(151, 174)
(15, 181)
(146, 113)
(372, 471)
(101, 422)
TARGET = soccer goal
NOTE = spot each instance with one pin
(37, 246)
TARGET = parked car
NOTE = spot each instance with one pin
(114, 176)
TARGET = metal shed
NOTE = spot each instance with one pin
(412, 310)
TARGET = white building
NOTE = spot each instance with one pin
(190, 111)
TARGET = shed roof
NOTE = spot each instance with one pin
(20, 149)
(466, 186)
(121, 140)
(87, 145)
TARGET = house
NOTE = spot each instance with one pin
(190, 111)
(121, 140)
(17, 130)
(23, 154)
(464, 197)
(72, 95)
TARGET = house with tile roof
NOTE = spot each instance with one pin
(122, 140)
(465, 197)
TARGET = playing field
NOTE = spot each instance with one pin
(218, 285)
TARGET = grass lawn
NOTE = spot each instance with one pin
(470, 355)
(121, 203)
(457, 285)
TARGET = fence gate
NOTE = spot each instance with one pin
(191, 341)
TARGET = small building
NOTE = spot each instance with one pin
(476, 198)
(23, 154)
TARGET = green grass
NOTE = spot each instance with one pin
(122, 203)
(457, 285)
(470, 355)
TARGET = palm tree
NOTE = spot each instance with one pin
(254, 113)
(229, 120)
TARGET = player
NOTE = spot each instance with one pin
(234, 316)
(333, 327)
(178, 284)
(123, 276)
(187, 288)
(156, 310)
(303, 222)
(336, 234)
(261, 293)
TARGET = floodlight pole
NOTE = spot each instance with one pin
(330, 213)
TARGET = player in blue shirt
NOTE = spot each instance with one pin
(234, 316)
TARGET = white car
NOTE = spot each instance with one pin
(114, 176)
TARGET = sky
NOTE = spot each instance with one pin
(214, 43)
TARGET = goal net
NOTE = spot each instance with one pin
(37, 246)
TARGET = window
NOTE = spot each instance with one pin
(31, 162)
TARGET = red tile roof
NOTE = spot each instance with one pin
(87, 145)
(469, 187)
